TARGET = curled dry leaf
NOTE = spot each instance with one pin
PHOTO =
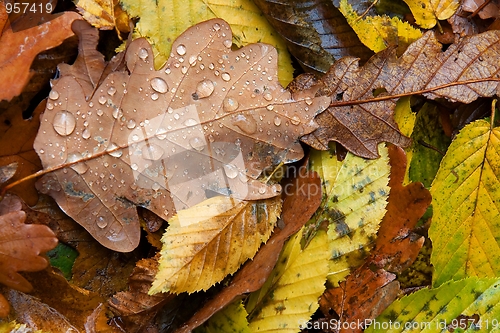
(21, 245)
(210, 121)
(20, 48)
(422, 69)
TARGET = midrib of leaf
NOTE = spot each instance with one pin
(466, 231)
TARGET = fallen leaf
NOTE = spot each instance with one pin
(359, 121)
(232, 319)
(290, 295)
(316, 34)
(246, 20)
(380, 32)
(485, 9)
(21, 246)
(355, 191)
(301, 200)
(465, 196)
(16, 138)
(438, 309)
(428, 12)
(7, 172)
(118, 158)
(104, 14)
(205, 243)
(21, 47)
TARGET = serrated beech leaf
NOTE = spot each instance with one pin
(208, 122)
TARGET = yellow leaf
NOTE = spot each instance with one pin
(465, 229)
(405, 118)
(210, 240)
(355, 191)
(290, 295)
(428, 12)
(103, 14)
(162, 21)
(378, 32)
(233, 318)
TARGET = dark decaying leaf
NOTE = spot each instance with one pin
(422, 68)
(300, 202)
(210, 121)
(315, 31)
(372, 287)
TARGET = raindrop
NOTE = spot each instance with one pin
(50, 106)
(134, 166)
(143, 54)
(154, 96)
(190, 122)
(216, 26)
(53, 95)
(230, 104)
(117, 113)
(181, 50)
(135, 137)
(161, 133)
(308, 100)
(225, 76)
(91, 104)
(159, 85)
(231, 171)
(111, 91)
(102, 100)
(262, 189)
(270, 107)
(205, 88)
(268, 96)
(295, 120)
(113, 151)
(184, 70)
(192, 60)
(101, 222)
(131, 124)
(227, 43)
(176, 116)
(100, 112)
(277, 121)
(86, 134)
(155, 186)
(197, 143)
(247, 125)
(64, 123)
(152, 152)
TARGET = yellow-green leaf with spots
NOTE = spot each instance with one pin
(465, 229)
(469, 303)
(355, 193)
(162, 21)
(290, 295)
(208, 241)
(428, 12)
(232, 319)
(379, 32)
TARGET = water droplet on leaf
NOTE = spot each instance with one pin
(152, 152)
(53, 95)
(205, 88)
(64, 123)
(246, 124)
(181, 49)
(143, 54)
(277, 121)
(159, 85)
(231, 171)
(102, 100)
(230, 104)
(101, 222)
(225, 76)
(111, 91)
(197, 143)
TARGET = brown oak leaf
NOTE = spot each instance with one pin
(20, 47)
(208, 122)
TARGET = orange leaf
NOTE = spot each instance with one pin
(20, 48)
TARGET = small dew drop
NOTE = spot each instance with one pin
(205, 88)
(152, 152)
(197, 143)
(225, 76)
(100, 112)
(101, 222)
(262, 189)
(117, 113)
(50, 106)
(143, 54)
(190, 122)
(308, 100)
(268, 96)
(111, 91)
(155, 187)
(131, 124)
(184, 70)
(216, 26)
(277, 121)
(228, 43)
(53, 95)
(64, 123)
(161, 133)
(247, 125)
(159, 85)
(102, 100)
(181, 49)
(230, 104)
(86, 134)
(91, 104)
(154, 96)
(270, 107)
(134, 167)
(231, 171)
(295, 120)
(113, 151)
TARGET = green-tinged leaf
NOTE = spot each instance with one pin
(162, 21)
(428, 130)
(290, 295)
(355, 191)
(428, 12)
(233, 319)
(405, 118)
(206, 242)
(63, 257)
(465, 230)
(470, 303)
(379, 32)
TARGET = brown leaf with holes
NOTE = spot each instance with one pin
(359, 121)
(20, 45)
(371, 288)
(302, 196)
(208, 122)
(21, 245)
